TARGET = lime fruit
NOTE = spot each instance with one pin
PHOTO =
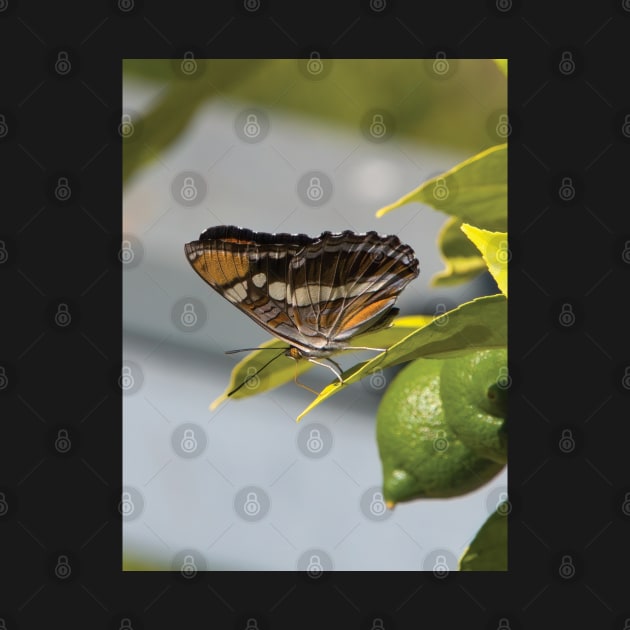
(422, 457)
(473, 389)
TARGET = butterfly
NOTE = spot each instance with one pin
(314, 293)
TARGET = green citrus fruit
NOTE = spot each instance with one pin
(473, 388)
(421, 455)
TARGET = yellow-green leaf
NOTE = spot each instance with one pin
(283, 369)
(488, 550)
(461, 257)
(494, 249)
(502, 65)
(474, 191)
(481, 323)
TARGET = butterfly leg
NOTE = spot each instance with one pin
(295, 379)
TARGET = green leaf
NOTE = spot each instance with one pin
(474, 191)
(502, 65)
(494, 249)
(461, 257)
(488, 550)
(481, 323)
(283, 369)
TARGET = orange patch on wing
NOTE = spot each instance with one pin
(365, 313)
(220, 268)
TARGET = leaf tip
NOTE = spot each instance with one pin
(217, 401)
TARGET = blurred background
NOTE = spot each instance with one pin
(278, 146)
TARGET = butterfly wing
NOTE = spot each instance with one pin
(251, 270)
(342, 285)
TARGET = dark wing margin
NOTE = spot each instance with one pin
(342, 284)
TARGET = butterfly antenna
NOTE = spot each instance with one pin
(247, 350)
(256, 373)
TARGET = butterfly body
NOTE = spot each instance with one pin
(315, 293)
